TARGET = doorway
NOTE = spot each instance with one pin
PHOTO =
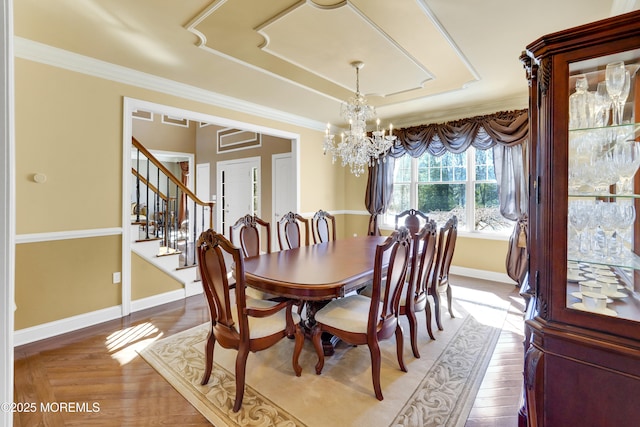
(132, 106)
(238, 187)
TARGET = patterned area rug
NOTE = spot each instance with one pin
(438, 389)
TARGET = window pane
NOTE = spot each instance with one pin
(434, 174)
(423, 168)
(441, 201)
(402, 169)
(446, 168)
(484, 165)
(481, 172)
(401, 199)
(487, 215)
(461, 173)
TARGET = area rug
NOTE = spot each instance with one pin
(438, 389)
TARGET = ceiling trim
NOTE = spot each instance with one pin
(56, 57)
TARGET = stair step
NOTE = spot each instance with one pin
(150, 239)
(186, 267)
(164, 251)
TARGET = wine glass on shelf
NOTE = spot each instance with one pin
(603, 173)
(626, 159)
(627, 216)
(579, 215)
(615, 79)
(622, 98)
(602, 105)
(609, 221)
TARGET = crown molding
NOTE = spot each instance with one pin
(60, 58)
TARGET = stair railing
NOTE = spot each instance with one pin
(172, 210)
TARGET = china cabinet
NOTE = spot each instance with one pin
(582, 357)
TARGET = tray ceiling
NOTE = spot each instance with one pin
(425, 60)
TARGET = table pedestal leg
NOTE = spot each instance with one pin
(328, 341)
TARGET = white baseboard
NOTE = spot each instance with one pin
(193, 288)
(493, 276)
(156, 300)
(70, 324)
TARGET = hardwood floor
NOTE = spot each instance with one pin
(98, 366)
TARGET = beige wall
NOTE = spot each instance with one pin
(60, 279)
(69, 127)
(155, 135)
(147, 280)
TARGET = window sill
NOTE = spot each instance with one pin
(467, 234)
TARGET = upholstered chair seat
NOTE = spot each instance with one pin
(264, 326)
(348, 313)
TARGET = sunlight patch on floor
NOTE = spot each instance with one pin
(124, 344)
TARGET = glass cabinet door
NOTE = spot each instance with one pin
(603, 240)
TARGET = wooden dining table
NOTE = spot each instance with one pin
(315, 274)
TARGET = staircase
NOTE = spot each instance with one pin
(167, 259)
(167, 220)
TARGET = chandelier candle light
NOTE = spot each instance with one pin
(356, 148)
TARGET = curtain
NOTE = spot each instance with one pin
(510, 164)
(379, 192)
(505, 128)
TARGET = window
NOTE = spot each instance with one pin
(454, 184)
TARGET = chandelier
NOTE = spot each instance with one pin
(356, 148)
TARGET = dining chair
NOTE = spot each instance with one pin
(289, 231)
(246, 228)
(440, 278)
(323, 227)
(415, 295)
(359, 320)
(248, 325)
(247, 231)
(412, 220)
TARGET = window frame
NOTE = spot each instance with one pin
(470, 186)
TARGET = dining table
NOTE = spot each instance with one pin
(315, 274)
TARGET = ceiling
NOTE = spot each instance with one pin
(425, 61)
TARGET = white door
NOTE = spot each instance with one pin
(238, 191)
(203, 192)
(283, 191)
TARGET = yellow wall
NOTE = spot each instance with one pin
(69, 127)
(60, 279)
(481, 254)
(147, 280)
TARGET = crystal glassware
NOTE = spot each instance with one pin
(581, 105)
(602, 105)
(622, 98)
(615, 78)
(626, 159)
(579, 215)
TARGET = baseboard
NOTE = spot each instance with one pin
(70, 324)
(193, 288)
(493, 276)
(156, 300)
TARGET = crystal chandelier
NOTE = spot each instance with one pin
(356, 148)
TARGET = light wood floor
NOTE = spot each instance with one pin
(99, 365)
